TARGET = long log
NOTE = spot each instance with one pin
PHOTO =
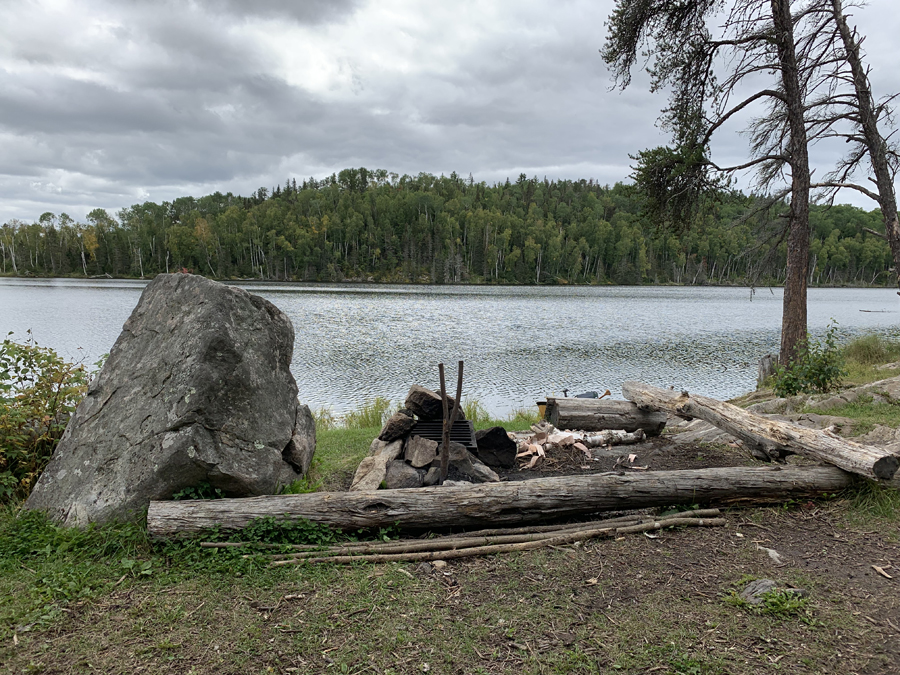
(590, 414)
(761, 432)
(513, 502)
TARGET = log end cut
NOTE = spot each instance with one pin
(886, 467)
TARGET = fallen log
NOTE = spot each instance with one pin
(519, 502)
(764, 433)
(591, 414)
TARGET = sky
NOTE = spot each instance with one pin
(105, 104)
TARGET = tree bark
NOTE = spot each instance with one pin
(589, 414)
(793, 318)
(761, 432)
(501, 503)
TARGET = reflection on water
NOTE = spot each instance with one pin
(519, 344)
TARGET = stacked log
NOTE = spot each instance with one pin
(589, 414)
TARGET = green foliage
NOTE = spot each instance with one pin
(872, 349)
(369, 415)
(303, 486)
(779, 603)
(203, 490)
(425, 228)
(271, 530)
(38, 393)
(817, 367)
(870, 499)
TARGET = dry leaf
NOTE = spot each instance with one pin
(881, 571)
(591, 582)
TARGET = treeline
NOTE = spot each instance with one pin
(378, 226)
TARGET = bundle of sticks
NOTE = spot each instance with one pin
(482, 542)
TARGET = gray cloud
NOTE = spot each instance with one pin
(102, 103)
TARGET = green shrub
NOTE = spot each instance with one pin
(38, 393)
(817, 367)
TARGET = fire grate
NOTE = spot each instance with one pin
(462, 432)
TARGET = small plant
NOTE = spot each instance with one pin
(38, 393)
(202, 490)
(817, 367)
(779, 603)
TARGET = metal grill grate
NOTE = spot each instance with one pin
(462, 432)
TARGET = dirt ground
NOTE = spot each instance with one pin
(662, 603)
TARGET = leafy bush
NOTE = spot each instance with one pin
(38, 393)
(817, 367)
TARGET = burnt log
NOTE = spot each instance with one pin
(516, 502)
(587, 414)
(768, 434)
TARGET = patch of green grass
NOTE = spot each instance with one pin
(867, 414)
(869, 500)
(778, 603)
(368, 415)
(871, 350)
(338, 453)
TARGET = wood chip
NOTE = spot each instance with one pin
(881, 571)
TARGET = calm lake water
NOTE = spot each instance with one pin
(519, 344)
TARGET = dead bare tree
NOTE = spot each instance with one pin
(756, 37)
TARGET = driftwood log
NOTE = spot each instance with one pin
(501, 503)
(591, 414)
(764, 433)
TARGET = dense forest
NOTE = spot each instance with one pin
(378, 226)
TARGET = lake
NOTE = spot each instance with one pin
(358, 341)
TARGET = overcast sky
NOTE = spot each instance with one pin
(108, 104)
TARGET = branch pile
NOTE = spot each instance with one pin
(487, 542)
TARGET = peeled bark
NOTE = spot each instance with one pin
(763, 433)
(516, 502)
(591, 414)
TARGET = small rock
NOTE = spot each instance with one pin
(432, 477)
(495, 447)
(396, 427)
(754, 591)
(469, 465)
(456, 483)
(400, 475)
(372, 470)
(421, 451)
(439, 564)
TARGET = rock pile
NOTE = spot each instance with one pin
(400, 458)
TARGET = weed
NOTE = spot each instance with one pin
(871, 349)
(869, 499)
(778, 603)
(202, 490)
(324, 419)
(475, 411)
(372, 414)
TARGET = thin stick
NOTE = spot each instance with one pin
(506, 548)
(445, 436)
(569, 527)
(453, 543)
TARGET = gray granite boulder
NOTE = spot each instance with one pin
(197, 388)
(426, 404)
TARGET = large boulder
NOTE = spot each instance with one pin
(197, 388)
